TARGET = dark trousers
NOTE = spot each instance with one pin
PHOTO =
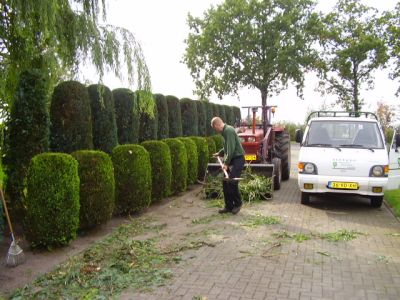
(231, 188)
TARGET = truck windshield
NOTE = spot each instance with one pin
(352, 134)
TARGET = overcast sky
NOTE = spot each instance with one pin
(160, 27)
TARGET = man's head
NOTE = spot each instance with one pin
(217, 124)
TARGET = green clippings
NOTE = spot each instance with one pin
(324, 253)
(208, 219)
(259, 219)
(393, 234)
(218, 203)
(301, 237)
(341, 235)
(382, 259)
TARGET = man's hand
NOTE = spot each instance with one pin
(216, 154)
(226, 167)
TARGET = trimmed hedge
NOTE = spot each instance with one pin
(209, 115)
(97, 187)
(71, 118)
(148, 124)
(219, 141)
(230, 117)
(162, 110)
(179, 165)
(189, 117)
(202, 152)
(103, 114)
(202, 118)
(222, 113)
(211, 148)
(192, 157)
(161, 169)
(126, 116)
(52, 202)
(174, 116)
(238, 115)
(28, 134)
(132, 172)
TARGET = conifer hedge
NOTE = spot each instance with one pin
(132, 173)
(52, 202)
(97, 187)
(238, 115)
(28, 134)
(211, 148)
(179, 165)
(189, 117)
(222, 114)
(126, 116)
(161, 169)
(202, 117)
(103, 114)
(174, 116)
(219, 141)
(71, 118)
(209, 115)
(148, 124)
(162, 110)
(202, 152)
(192, 157)
(230, 117)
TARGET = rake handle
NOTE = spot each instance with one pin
(222, 167)
(6, 210)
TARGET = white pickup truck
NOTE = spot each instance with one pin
(344, 153)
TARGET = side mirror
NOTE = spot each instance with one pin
(298, 135)
(397, 139)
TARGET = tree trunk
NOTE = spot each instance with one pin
(264, 114)
(356, 105)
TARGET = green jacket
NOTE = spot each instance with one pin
(232, 144)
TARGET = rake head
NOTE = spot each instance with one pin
(15, 255)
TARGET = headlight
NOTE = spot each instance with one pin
(378, 171)
(307, 168)
(251, 139)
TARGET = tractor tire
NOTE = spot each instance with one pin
(277, 176)
(282, 150)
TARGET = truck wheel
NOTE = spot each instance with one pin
(305, 198)
(282, 147)
(376, 201)
(277, 173)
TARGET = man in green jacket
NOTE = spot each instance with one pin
(233, 154)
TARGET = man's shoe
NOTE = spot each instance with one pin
(236, 209)
(224, 210)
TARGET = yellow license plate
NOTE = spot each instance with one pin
(250, 157)
(343, 185)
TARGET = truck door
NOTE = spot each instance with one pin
(394, 163)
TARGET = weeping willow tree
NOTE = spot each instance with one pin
(59, 36)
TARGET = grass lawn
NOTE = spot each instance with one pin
(393, 198)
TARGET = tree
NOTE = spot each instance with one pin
(56, 36)
(253, 43)
(385, 114)
(353, 49)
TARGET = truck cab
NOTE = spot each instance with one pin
(343, 153)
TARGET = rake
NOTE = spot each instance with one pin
(15, 255)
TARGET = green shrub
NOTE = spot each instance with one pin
(219, 141)
(179, 165)
(162, 110)
(230, 116)
(28, 134)
(209, 115)
(211, 148)
(192, 157)
(189, 117)
(148, 122)
(222, 113)
(97, 186)
(215, 108)
(202, 152)
(132, 172)
(126, 116)
(71, 118)
(238, 115)
(161, 170)
(202, 118)
(103, 114)
(52, 203)
(174, 116)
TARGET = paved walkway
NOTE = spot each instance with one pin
(278, 261)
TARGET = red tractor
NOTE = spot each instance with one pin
(267, 147)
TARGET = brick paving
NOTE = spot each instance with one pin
(241, 262)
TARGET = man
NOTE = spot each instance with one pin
(233, 154)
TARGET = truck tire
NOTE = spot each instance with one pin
(376, 201)
(305, 198)
(277, 173)
(282, 149)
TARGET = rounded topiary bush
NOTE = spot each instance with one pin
(192, 157)
(174, 116)
(211, 148)
(132, 173)
(126, 116)
(160, 158)
(52, 202)
(202, 152)
(162, 111)
(238, 115)
(230, 117)
(219, 141)
(189, 117)
(97, 186)
(27, 135)
(71, 118)
(179, 165)
(103, 115)
(202, 118)
(148, 120)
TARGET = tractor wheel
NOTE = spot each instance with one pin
(277, 173)
(282, 149)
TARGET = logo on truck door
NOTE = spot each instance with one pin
(343, 164)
